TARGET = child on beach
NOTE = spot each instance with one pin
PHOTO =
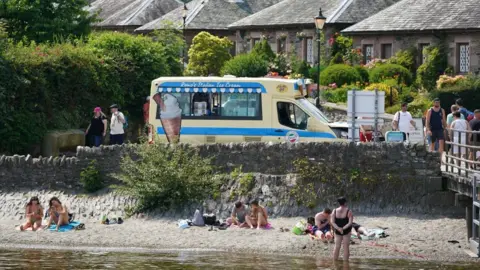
(34, 215)
(359, 230)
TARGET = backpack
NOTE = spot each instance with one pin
(209, 219)
(198, 219)
(125, 125)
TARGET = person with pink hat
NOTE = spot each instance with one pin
(98, 126)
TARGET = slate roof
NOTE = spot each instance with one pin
(422, 15)
(132, 12)
(302, 12)
(210, 14)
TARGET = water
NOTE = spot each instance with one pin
(51, 259)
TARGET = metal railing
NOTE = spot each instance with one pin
(476, 216)
(461, 150)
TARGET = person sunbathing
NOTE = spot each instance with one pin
(258, 216)
(34, 215)
(58, 213)
(360, 230)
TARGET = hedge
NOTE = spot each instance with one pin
(47, 87)
(340, 74)
(246, 65)
(388, 71)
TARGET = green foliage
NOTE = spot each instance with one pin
(337, 59)
(338, 95)
(313, 72)
(405, 58)
(165, 177)
(263, 50)
(208, 54)
(302, 68)
(390, 71)
(171, 38)
(90, 178)
(434, 65)
(468, 90)
(280, 65)
(245, 65)
(363, 72)
(391, 92)
(340, 45)
(340, 74)
(55, 86)
(46, 20)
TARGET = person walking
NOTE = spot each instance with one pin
(342, 220)
(98, 126)
(458, 132)
(435, 126)
(116, 126)
(402, 121)
(475, 126)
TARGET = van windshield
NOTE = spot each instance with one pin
(314, 111)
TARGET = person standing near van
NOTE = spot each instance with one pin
(435, 125)
(116, 126)
(402, 121)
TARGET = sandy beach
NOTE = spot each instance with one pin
(417, 238)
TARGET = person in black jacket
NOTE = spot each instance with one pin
(98, 127)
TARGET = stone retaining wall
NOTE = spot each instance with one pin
(397, 177)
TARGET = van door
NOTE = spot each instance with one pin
(289, 121)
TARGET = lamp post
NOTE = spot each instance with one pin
(184, 16)
(319, 23)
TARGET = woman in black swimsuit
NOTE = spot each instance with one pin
(342, 219)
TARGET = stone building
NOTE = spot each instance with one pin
(289, 25)
(127, 15)
(414, 23)
(213, 16)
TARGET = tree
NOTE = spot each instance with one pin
(174, 44)
(264, 50)
(45, 20)
(208, 54)
(246, 65)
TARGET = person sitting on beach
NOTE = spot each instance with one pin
(258, 216)
(58, 213)
(359, 230)
(341, 220)
(322, 222)
(34, 215)
(239, 212)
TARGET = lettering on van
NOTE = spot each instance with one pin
(210, 85)
(282, 88)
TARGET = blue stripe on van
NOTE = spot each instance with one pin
(219, 131)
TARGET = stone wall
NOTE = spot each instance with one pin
(376, 177)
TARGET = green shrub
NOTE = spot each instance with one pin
(280, 65)
(246, 65)
(391, 93)
(363, 72)
(90, 178)
(468, 90)
(207, 54)
(405, 58)
(166, 178)
(313, 72)
(338, 95)
(337, 59)
(434, 65)
(339, 74)
(390, 71)
(302, 68)
(263, 50)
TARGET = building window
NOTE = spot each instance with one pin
(308, 50)
(422, 54)
(368, 53)
(386, 51)
(463, 57)
(290, 115)
(281, 45)
(235, 106)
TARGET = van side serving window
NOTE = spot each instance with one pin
(291, 115)
(235, 106)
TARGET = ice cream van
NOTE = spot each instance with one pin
(228, 109)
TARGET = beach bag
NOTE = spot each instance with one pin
(299, 228)
(198, 219)
(183, 224)
(209, 219)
